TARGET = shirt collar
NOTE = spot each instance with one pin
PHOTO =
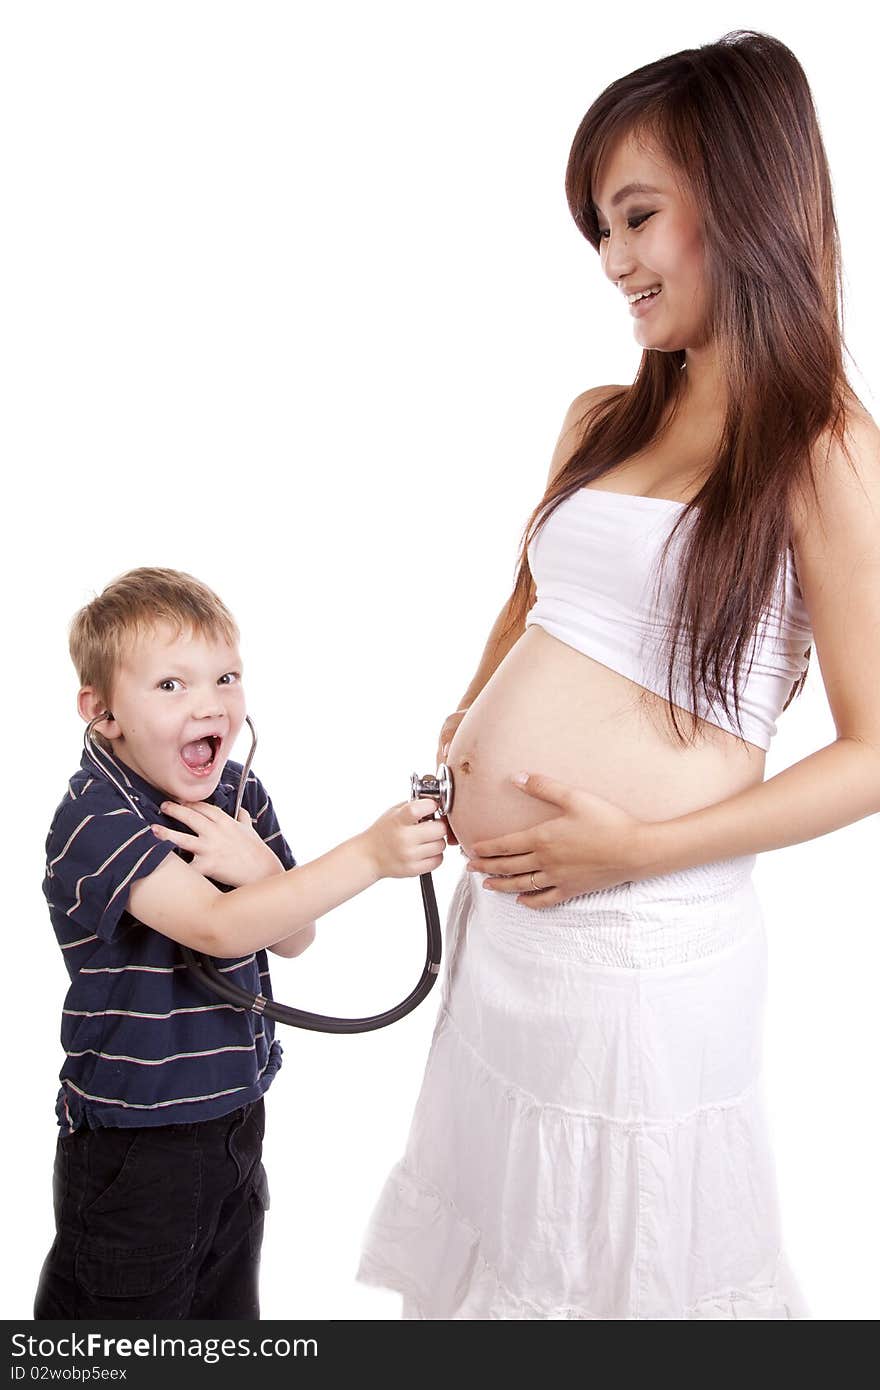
(149, 798)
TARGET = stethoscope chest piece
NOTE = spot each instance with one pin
(439, 788)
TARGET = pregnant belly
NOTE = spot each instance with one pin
(549, 708)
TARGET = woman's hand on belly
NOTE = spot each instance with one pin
(447, 733)
(591, 844)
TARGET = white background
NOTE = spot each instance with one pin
(293, 301)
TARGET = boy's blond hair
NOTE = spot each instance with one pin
(134, 603)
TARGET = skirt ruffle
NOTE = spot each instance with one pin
(589, 1141)
(426, 1250)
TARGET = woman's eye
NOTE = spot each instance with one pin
(230, 678)
(172, 683)
(633, 222)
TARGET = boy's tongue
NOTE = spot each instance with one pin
(197, 753)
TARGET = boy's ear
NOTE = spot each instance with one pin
(90, 704)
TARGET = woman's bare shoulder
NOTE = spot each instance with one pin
(593, 396)
(840, 468)
(572, 426)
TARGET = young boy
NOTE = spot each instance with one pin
(159, 1187)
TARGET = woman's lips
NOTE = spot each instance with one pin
(644, 306)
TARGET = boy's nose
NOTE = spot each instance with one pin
(208, 706)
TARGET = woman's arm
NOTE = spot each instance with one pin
(495, 651)
(836, 541)
(497, 646)
(831, 788)
(594, 844)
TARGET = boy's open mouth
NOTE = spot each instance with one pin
(199, 755)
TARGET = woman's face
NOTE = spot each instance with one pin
(650, 238)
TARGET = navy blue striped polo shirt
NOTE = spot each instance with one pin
(145, 1043)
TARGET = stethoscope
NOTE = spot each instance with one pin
(438, 787)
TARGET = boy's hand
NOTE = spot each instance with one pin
(400, 846)
(224, 849)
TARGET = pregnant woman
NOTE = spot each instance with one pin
(590, 1139)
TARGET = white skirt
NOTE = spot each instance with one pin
(589, 1140)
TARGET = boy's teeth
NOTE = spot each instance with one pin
(197, 753)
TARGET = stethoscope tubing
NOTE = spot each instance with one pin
(203, 968)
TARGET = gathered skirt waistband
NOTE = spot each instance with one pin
(656, 922)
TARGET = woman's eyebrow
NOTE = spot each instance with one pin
(624, 192)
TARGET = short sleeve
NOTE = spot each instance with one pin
(92, 859)
(258, 804)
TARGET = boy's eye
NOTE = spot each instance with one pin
(230, 678)
(171, 683)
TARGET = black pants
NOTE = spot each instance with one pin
(158, 1222)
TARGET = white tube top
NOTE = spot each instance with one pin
(594, 562)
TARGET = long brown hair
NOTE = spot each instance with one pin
(736, 120)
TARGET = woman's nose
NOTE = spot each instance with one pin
(618, 263)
